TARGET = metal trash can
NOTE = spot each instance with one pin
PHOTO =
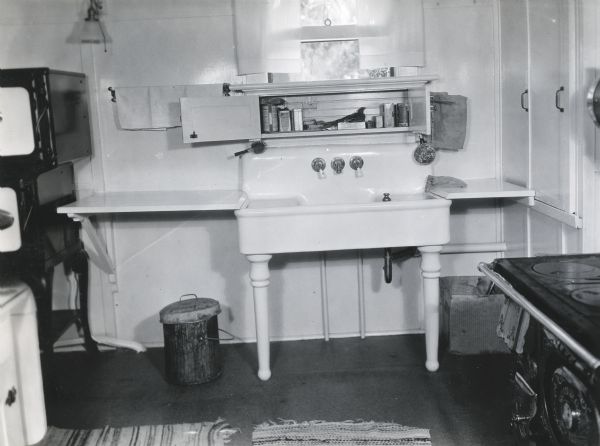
(191, 334)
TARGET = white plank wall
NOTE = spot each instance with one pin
(159, 258)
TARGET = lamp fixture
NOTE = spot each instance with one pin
(93, 30)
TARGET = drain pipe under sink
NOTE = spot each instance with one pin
(389, 257)
(459, 248)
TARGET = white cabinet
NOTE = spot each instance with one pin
(22, 409)
(515, 91)
(11, 422)
(548, 98)
(242, 115)
(536, 151)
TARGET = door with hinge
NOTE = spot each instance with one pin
(548, 98)
(224, 118)
(515, 91)
(11, 422)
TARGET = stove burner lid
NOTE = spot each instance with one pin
(587, 296)
(567, 270)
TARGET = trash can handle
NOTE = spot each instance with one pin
(189, 294)
(230, 338)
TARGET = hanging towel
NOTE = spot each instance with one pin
(443, 181)
(156, 108)
(164, 106)
(513, 325)
(133, 108)
(448, 121)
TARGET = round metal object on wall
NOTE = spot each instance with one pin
(424, 153)
(593, 102)
(573, 414)
(258, 146)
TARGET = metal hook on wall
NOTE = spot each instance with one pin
(113, 94)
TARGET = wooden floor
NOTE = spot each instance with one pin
(465, 403)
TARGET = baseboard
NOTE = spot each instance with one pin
(76, 344)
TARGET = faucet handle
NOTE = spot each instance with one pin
(356, 163)
(338, 164)
(318, 165)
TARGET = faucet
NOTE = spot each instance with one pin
(337, 164)
(318, 165)
(356, 162)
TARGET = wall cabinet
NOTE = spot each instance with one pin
(251, 110)
(515, 91)
(535, 41)
(549, 111)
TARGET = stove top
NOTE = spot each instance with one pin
(566, 288)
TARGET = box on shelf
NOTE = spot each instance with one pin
(469, 316)
(350, 125)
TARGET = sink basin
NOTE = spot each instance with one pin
(291, 209)
(356, 221)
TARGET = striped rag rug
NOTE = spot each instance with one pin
(318, 433)
(195, 434)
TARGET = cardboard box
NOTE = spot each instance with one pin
(469, 316)
(350, 125)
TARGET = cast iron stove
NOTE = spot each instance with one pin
(556, 378)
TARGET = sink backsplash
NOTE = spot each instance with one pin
(287, 172)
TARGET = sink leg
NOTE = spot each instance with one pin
(430, 270)
(259, 277)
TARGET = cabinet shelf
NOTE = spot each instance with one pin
(249, 113)
(335, 86)
(483, 188)
(309, 133)
(155, 201)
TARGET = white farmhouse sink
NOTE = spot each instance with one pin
(290, 208)
(276, 225)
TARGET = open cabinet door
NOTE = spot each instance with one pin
(549, 38)
(225, 118)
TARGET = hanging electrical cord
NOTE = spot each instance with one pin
(93, 16)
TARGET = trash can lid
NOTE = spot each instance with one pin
(189, 310)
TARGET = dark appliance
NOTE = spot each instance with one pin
(58, 119)
(556, 397)
(44, 126)
(46, 238)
